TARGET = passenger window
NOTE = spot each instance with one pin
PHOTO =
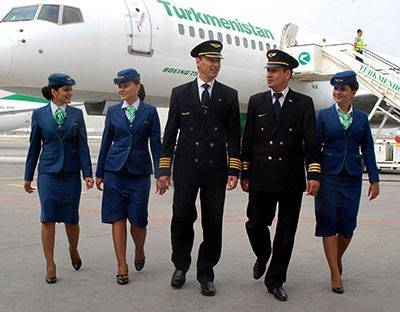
(275, 46)
(181, 29)
(210, 35)
(253, 44)
(220, 38)
(261, 45)
(25, 13)
(191, 31)
(237, 41)
(71, 15)
(202, 33)
(268, 46)
(49, 12)
(229, 39)
(245, 43)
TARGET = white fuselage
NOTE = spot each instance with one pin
(153, 36)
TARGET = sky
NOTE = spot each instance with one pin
(337, 19)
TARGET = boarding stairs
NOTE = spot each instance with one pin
(376, 74)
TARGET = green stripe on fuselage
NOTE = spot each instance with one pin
(19, 97)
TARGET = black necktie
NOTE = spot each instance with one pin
(205, 96)
(277, 104)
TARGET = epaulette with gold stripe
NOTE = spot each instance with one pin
(245, 165)
(235, 163)
(314, 167)
(165, 162)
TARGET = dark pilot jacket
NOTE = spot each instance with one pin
(276, 150)
(208, 146)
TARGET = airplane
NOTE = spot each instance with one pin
(92, 40)
(16, 110)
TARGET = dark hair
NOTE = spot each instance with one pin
(141, 92)
(359, 30)
(353, 86)
(46, 91)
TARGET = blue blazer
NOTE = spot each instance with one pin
(60, 147)
(128, 143)
(341, 148)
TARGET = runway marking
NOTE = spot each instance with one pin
(16, 185)
(10, 178)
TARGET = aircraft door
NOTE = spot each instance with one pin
(288, 37)
(140, 28)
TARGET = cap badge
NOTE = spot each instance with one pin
(215, 45)
(271, 54)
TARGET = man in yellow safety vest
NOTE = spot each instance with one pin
(359, 44)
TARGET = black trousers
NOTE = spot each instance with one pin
(260, 213)
(359, 58)
(212, 200)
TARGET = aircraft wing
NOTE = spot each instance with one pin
(27, 110)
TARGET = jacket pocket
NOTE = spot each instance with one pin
(46, 155)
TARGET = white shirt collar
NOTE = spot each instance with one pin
(284, 92)
(54, 107)
(201, 82)
(350, 110)
(135, 104)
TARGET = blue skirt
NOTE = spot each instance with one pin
(336, 205)
(59, 195)
(125, 196)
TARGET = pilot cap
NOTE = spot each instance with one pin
(345, 78)
(59, 80)
(278, 58)
(210, 48)
(126, 75)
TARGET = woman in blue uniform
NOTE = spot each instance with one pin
(125, 166)
(59, 136)
(342, 132)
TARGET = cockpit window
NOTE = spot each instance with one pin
(49, 13)
(71, 15)
(19, 14)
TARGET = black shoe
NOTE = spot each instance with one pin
(279, 293)
(139, 264)
(259, 269)
(77, 265)
(178, 279)
(122, 279)
(208, 289)
(338, 290)
(51, 280)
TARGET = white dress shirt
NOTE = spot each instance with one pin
(349, 112)
(54, 107)
(125, 105)
(201, 88)
(282, 98)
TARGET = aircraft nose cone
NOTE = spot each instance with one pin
(5, 57)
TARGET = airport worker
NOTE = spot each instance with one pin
(359, 44)
(342, 131)
(279, 138)
(124, 168)
(206, 160)
(58, 136)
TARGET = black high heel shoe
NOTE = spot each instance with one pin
(139, 264)
(338, 290)
(76, 265)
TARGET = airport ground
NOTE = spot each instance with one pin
(371, 266)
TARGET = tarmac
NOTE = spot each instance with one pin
(371, 265)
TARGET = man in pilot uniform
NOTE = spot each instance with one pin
(278, 140)
(206, 159)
